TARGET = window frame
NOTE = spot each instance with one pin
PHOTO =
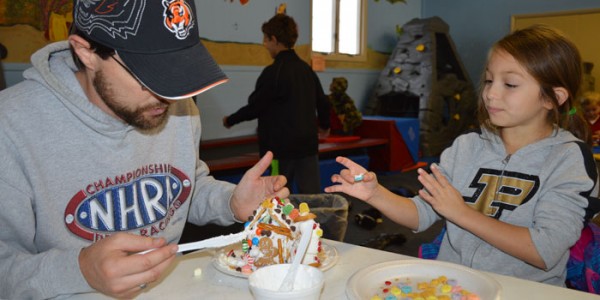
(362, 35)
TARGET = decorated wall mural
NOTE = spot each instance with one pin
(27, 25)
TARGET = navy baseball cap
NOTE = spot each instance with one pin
(158, 41)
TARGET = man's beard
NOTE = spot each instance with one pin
(134, 117)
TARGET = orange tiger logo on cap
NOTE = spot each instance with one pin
(178, 17)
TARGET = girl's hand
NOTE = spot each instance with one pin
(440, 194)
(355, 181)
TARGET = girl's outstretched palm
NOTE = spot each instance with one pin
(349, 180)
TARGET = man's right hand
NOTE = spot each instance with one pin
(113, 267)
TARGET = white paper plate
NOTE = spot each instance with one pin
(329, 254)
(366, 282)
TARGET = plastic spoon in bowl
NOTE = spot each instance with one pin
(306, 231)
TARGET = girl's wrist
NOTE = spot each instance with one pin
(376, 194)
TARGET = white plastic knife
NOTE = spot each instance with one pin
(214, 242)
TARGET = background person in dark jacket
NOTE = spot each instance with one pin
(287, 99)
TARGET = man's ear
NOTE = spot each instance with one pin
(81, 47)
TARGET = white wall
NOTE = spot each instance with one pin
(476, 25)
(13, 72)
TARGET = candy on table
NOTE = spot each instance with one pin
(440, 288)
(197, 272)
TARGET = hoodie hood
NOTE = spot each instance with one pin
(558, 136)
(54, 68)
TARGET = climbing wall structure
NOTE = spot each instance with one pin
(425, 79)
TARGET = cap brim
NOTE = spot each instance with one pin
(175, 75)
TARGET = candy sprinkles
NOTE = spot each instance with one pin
(439, 288)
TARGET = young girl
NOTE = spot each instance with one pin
(590, 103)
(514, 195)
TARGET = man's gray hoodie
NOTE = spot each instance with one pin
(71, 174)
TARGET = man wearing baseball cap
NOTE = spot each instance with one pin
(100, 154)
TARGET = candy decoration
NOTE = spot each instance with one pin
(247, 269)
(420, 48)
(287, 209)
(294, 214)
(304, 208)
(397, 70)
(245, 246)
(265, 219)
(267, 204)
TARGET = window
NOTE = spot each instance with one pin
(338, 29)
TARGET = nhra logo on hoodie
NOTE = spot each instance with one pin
(143, 200)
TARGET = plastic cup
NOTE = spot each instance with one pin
(265, 282)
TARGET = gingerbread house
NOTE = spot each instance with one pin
(273, 233)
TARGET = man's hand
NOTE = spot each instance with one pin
(253, 188)
(113, 267)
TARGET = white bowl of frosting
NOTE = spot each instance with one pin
(265, 282)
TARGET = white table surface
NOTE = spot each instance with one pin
(180, 282)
